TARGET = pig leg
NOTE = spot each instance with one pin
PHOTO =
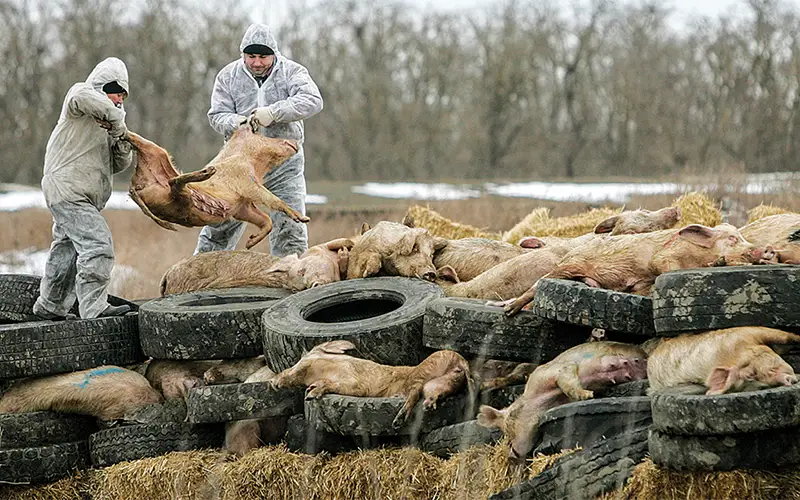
(291, 377)
(250, 213)
(568, 380)
(517, 376)
(411, 401)
(242, 436)
(177, 183)
(319, 388)
(258, 193)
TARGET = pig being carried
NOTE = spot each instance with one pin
(229, 187)
(327, 369)
(573, 375)
(721, 361)
(631, 262)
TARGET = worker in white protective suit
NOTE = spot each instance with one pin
(84, 151)
(276, 94)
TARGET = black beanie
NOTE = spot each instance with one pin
(255, 48)
(114, 88)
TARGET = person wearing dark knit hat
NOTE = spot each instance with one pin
(272, 94)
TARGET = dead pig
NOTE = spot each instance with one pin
(572, 376)
(105, 392)
(470, 257)
(392, 249)
(319, 265)
(722, 361)
(782, 232)
(630, 263)
(327, 369)
(175, 378)
(230, 186)
(639, 221)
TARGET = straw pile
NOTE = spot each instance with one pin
(539, 223)
(276, 473)
(650, 481)
(762, 211)
(697, 208)
(441, 226)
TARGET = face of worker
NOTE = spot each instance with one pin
(259, 64)
(117, 98)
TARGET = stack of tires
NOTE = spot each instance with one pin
(40, 447)
(741, 430)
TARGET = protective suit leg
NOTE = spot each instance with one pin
(57, 288)
(288, 183)
(89, 233)
(222, 236)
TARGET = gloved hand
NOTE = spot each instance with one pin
(262, 117)
(118, 132)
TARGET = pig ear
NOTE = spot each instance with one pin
(406, 244)
(364, 227)
(721, 380)
(532, 242)
(439, 242)
(699, 235)
(283, 265)
(607, 225)
(447, 273)
(339, 243)
(490, 417)
(408, 221)
(335, 347)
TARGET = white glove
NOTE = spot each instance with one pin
(262, 117)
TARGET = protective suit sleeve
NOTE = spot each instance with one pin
(121, 156)
(89, 102)
(304, 99)
(222, 115)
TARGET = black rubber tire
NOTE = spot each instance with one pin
(51, 347)
(381, 316)
(766, 450)
(356, 416)
(626, 390)
(723, 297)
(727, 413)
(171, 410)
(304, 438)
(18, 293)
(228, 402)
(43, 464)
(211, 324)
(132, 442)
(576, 303)
(451, 439)
(584, 423)
(474, 329)
(41, 428)
(585, 474)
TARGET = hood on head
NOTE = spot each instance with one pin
(259, 34)
(109, 70)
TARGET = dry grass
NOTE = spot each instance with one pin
(150, 250)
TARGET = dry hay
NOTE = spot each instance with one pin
(174, 475)
(697, 208)
(538, 223)
(762, 211)
(651, 481)
(441, 226)
(70, 488)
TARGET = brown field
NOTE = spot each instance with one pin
(150, 250)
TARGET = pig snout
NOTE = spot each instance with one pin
(788, 379)
(429, 276)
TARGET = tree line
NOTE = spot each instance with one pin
(519, 90)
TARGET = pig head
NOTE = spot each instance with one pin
(781, 231)
(230, 186)
(393, 249)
